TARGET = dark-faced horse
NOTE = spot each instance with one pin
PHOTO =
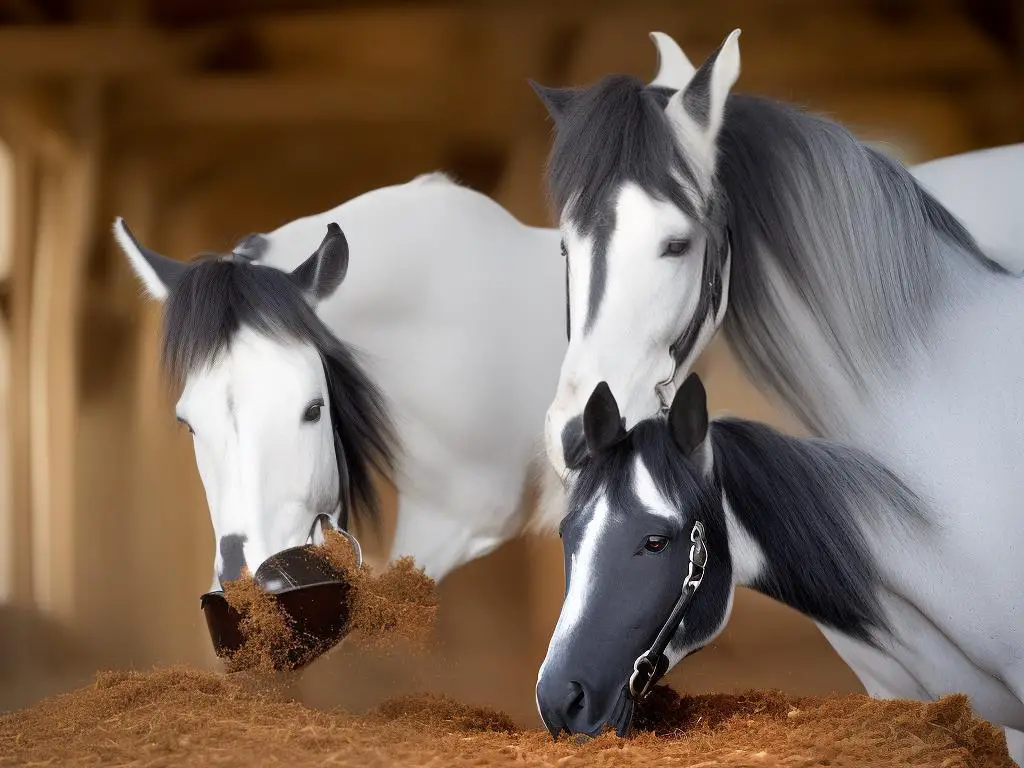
(667, 519)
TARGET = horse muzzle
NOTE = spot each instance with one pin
(579, 710)
(308, 588)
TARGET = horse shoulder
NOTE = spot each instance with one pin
(985, 190)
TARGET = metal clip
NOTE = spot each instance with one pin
(645, 689)
(326, 523)
(698, 557)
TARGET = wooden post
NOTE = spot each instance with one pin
(67, 199)
(18, 528)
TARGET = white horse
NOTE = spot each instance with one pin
(459, 312)
(850, 294)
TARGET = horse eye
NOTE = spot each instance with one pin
(565, 251)
(656, 543)
(677, 247)
(187, 425)
(312, 414)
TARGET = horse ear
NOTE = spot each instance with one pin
(158, 274)
(321, 274)
(557, 100)
(252, 247)
(697, 110)
(602, 424)
(674, 68)
(688, 416)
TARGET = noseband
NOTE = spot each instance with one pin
(652, 664)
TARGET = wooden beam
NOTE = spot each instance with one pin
(839, 41)
(24, 11)
(29, 118)
(302, 101)
(797, 50)
(87, 51)
(467, 77)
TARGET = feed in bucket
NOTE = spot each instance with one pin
(303, 601)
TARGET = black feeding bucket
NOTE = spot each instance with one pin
(311, 591)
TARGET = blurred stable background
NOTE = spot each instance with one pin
(202, 121)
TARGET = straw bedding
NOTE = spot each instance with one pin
(181, 716)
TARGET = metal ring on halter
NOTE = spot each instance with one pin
(648, 682)
(325, 519)
(698, 554)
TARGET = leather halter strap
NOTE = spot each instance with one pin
(652, 664)
(711, 298)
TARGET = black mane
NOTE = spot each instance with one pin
(216, 297)
(803, 501)
(613, 132)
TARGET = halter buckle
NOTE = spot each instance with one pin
(648, 677)
(698, 557)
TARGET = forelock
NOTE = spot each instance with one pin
(612, 472)
(615, 132)
(217, 297)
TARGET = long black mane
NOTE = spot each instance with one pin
(805, 502)
(216, 297)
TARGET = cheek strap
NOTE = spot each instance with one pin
(652, 664)
(708, 305)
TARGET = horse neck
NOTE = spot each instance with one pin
(800, 514)
(835, 277)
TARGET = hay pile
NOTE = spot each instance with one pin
(186, 717)
(397, 608)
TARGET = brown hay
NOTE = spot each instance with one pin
(180, 716)
(397, 608)
(267, 632)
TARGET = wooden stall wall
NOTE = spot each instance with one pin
(202, 124)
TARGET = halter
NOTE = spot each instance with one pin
(710, 300)
(326, 523)
(652, 664)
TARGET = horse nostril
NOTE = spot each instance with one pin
(576, 698)
(574, 445)
(232, 557)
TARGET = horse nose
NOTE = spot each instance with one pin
(569, 706)
(575, 704)
(232, 557)
(574, 445)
